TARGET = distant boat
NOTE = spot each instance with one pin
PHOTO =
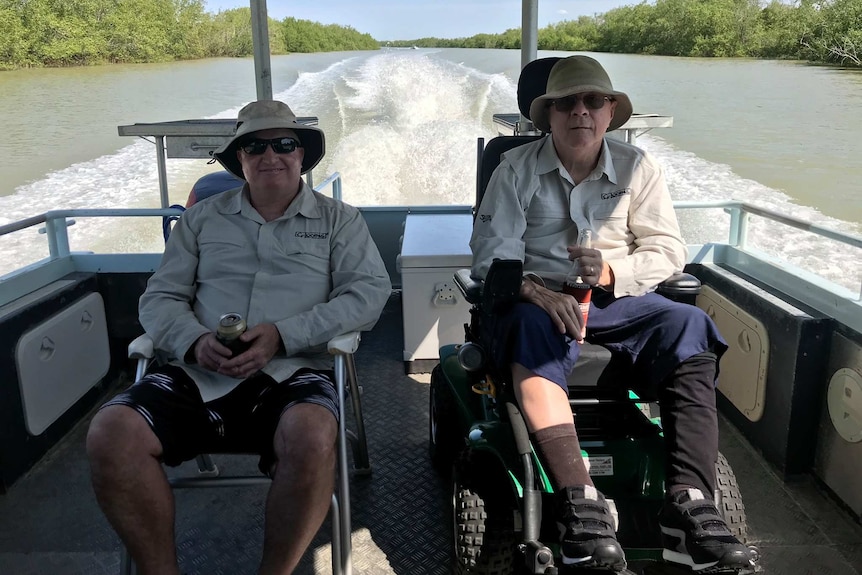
(415, 47)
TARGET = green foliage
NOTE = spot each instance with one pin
(823, 31)
(75, 32)
(80, 32)
(307, 36)
(836, 35)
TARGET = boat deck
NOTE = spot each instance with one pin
(50, 523)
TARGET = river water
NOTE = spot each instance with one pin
(401, 128)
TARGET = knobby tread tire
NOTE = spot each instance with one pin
(485, 541)
(730, 504)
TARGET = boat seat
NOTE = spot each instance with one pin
(204, 187)
(342, 348)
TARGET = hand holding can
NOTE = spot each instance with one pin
(230, 327)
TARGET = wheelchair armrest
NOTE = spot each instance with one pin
(141, 348)
(470, 288)
(346, 343)
(679, 285)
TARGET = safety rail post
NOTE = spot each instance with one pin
(733, 232)
(334, 180)
(56, 229)
(336, 188)
(744, 219)
(161, 163)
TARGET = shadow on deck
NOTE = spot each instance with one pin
(50, 523)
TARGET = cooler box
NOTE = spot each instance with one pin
(433, 248)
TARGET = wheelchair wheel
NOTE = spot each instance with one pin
(444, 440)
(484, 515)
(728, 498)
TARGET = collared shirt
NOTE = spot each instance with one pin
(532, 211)
(314, 272)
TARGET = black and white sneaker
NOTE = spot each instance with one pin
(694, 534)
(587, 538)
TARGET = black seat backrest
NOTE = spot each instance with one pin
(532, 83)
(489, 159)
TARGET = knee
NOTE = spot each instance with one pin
(306, 437)
(117, 430)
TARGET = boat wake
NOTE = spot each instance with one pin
(401, 128)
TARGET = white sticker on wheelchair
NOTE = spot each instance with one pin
(600, 465)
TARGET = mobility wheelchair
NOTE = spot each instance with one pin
(479, 439)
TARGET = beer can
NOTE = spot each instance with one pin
(230, 327)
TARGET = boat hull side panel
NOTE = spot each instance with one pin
(786, 431)
(838, 461)
(19, 449)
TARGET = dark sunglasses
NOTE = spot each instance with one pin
(258, 146)
(591, 101)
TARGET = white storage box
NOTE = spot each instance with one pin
(433, 248)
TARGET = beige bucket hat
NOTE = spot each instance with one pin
(576, 75)
(265, 115)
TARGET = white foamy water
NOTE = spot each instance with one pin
(401, 128)
(691, 178)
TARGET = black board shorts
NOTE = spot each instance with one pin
(242, 421)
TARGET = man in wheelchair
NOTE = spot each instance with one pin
(537, 200)
(300, 268)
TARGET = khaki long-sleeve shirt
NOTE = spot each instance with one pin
(532, 210)
(314, 272)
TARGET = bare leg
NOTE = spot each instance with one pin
(543, 403)
(546, 410)
(302, 485)
(132, 489)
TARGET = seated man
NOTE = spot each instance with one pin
(301, 268)
(537, 200)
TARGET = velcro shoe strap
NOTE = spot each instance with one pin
(703, 519)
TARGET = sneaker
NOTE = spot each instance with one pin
(587, 537)
(694, 534)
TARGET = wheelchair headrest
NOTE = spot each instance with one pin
(533, 82)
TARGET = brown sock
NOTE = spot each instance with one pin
(559, 451)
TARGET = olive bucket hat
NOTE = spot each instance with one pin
(576, 75)
(266, 115)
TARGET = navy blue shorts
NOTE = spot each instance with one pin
(242, 421)
(650, 334)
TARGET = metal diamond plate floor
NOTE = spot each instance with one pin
(50, 524)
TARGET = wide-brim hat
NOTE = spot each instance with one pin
(266, 115)
(576, 75)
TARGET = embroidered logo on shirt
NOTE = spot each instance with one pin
(611, 195)
(313, 235)
(485, 218)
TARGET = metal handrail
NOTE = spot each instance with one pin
(740, 213)
(57, 221)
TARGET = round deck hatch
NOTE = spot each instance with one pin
(844, 399)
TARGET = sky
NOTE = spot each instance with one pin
(411, 19)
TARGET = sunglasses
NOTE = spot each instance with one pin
(591, 101)
(258, 146)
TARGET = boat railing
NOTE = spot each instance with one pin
(737, 251)
(55, 230)
(740, 217)
(835, 297)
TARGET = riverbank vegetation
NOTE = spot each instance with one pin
(83, 32)
(825, 31)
